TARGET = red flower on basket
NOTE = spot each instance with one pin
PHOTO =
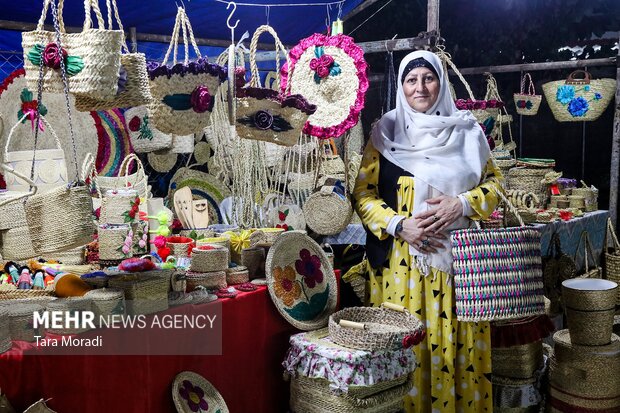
(566, 215)
(131, 214)
(285, 226)
(52, 55)
(414, 338)
(194, 396)
(309, 266)
(134, 124)
(286, 287)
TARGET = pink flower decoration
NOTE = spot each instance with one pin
(200, 99)
(159, 241)
(52, 55)
(125, 249)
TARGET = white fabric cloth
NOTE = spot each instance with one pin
(444, 148)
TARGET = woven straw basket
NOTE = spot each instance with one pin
(115, 205)
(590, 198)
(70, 305)
(327, 212)
(527, 102)
(144, 137)
(497, 273)
(107, 302)
(98, 49)
(210, 280)
(136, 88)
(237, 275)
(112, 239)
(611, 268)
(265, 237)
(137, 181)
(12, 214)
(314, 396)
(182, 95)
(210, 260)
(21, 318)
(529, 180)
(144, 293)
(579, 99)
(383, 328)
(518, 362)
(17, 244)
(5, 333)
(50, 168)
(254, 260)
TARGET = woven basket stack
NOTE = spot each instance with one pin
(367, 354)
(584, 367)
(145, 293)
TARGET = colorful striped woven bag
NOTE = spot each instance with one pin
(497, 272)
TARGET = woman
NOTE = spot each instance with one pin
(427, 170)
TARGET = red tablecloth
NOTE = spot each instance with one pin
(248, 374)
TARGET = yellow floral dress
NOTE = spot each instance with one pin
(454, 360)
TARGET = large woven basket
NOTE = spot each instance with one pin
(116, 205)
(518, 362)
(209, 258)
(497, 273)
(314, 396)
(21, 324)
(144, 293)
(210, 280)
(107, 302)
(60, 219)
(66, 306)
(5, 333)
(12, 214)
(383, 328)
(137, 180)
(143, 135)
(115, 241)
(529, 180)
(17, 244)
(328, 212)
(579, 99)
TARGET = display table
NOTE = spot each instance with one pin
(570, 232)
(248, 373)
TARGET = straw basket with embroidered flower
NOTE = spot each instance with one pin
(301, 281)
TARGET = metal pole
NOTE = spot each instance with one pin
(615, 151)
(520, 125)
(583, 152)
(133, 40)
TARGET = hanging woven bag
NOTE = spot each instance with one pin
(143, 135)
(183, 94)
(611, 268)
(50, 168)
(579, 98)
(133, 83)
(527, 101)
(264, 114)
(497, 272)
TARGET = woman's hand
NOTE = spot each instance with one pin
(416, 236)
(447, 210)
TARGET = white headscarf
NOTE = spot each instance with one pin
(444, 148)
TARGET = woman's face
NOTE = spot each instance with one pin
(421, 88)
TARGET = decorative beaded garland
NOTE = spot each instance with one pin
(330, 72)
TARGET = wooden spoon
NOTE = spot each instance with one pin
(200, 213)
(181, 204)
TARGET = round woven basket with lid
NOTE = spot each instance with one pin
(193, 393)
(21, 322)
(383, 328)
(70, 305)
(107, 302)
(209, 258)
(237, 275)
(5, 332)
(210, 280)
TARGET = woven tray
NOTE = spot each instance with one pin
(384, 328)
(193, 393)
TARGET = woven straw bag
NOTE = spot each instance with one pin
(557, 267)
(596, 271)
(50, 168)
(527, 102)
(611, 256)
(135, 90)
(497, 272)
(93, 59)
(183, 94)
(264, 114)
(116, 207)
(590, 196)
(143, 135)
(138, 180)
(579, 99)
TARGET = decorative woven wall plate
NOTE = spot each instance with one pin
(301, 281)
(330, 72)
(193, 393)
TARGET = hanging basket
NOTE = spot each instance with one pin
(183, 94)
(527, 102)
(144, 137)
(579, 99)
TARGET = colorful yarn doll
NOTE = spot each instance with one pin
(12, 269)
(39, 283)
(25, 279)
(49, 279)
(4, 278)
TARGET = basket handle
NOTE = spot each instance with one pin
(509, 205)
(42, 119)
(527, 79)
(124, 170)
(89, 169)
(352, 324)
(61, 22)
(181, 23)
(255, 79)
(113, 8)
(573, 80)
(492, 89)
(94, 5)
(33, 187)
(614, 237)
(587, 248)
(446, 58)
(394, 307)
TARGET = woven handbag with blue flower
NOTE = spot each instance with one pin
(579, 98)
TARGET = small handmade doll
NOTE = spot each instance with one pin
(25, 279)
(12, 269)
(38, 283)
(48, 279)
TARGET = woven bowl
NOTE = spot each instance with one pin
(589, 294)
(383, 328)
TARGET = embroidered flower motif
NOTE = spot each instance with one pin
(524, 104)
(284, 226)
(194, 396)
(131, 214)
(134, 124)
(201, 99)
(309, 266)
(286, 286)
(597, 96)
(323, 65)
(127, 244)
(52, 55)
(578, 106)
(263, 120)
(586, 88)
(565, 93)
(29, 107)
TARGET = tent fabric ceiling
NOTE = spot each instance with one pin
(208, 17)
